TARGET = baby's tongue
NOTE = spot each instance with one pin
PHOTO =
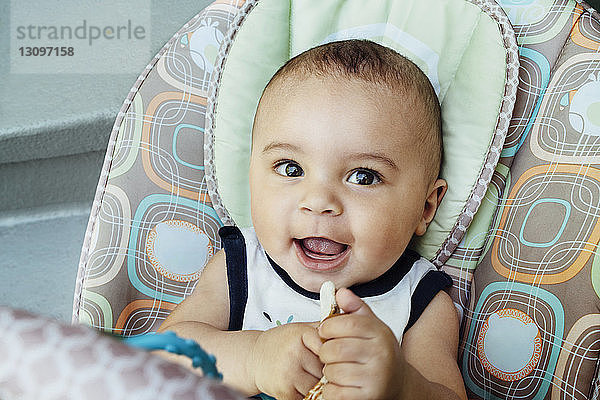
(322, 246)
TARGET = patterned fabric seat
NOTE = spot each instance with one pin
(526, 270)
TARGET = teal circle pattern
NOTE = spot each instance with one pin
(530, 300)
(153, 286)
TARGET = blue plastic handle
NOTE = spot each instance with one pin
(172, 343)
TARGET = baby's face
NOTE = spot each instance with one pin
(337, 187)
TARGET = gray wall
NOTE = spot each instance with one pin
(54, 127)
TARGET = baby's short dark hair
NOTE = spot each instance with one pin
(385, 68)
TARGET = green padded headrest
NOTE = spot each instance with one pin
(467, 49)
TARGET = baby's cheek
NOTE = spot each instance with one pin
(386, 238)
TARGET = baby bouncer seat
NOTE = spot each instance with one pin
(519, 84)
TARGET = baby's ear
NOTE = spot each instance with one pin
(434, 197)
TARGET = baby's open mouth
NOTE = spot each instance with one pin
(321, 248)
(320, 253)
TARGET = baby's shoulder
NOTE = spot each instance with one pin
(214, 275)
(208, 303)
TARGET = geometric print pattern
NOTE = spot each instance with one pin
(526, 272)
(502, 324)
(477, 195)
(530, 288)
(156, 189)
(153, 226)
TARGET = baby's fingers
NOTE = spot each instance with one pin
(303, 383)
(332, 391)
(312, 341)
(349, 381)
(310, 356)
(344, 350)
(313, 366)
(351, 303)
(349, 325)
(345, 374)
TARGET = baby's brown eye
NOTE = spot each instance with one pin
(289, 168)
(364, 177)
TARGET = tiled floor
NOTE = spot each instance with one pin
(39, 255)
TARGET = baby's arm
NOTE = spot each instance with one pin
(204, 317)
(363, 359)
(430, 347)
(276, 361)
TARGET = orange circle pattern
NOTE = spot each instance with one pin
(156, 263)
(530, 366)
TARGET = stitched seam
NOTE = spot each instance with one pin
(497, 142)
(211, 111)
(106, 167)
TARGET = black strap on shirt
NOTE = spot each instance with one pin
(426, 290)
(237, 274)
(378, 286)
(237, 277)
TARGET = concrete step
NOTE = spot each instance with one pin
(40, 250)
(49, 181)
(54, 127)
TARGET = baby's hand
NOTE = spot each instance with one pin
(282, 364)
(361, 354)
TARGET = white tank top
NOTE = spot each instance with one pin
(273, 299)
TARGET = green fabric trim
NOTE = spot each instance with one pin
(470, 110)
(260, 48)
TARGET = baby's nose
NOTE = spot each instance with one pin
(321, 201)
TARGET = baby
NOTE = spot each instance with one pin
(346, 151)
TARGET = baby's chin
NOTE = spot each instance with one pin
(309, 284)
(312, 281)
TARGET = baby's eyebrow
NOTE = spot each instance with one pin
(289, 147)
(281, 146)
(377, 157)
